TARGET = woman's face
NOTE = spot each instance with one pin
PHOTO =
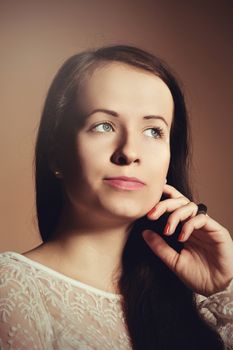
(128, 115)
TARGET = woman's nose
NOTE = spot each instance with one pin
(127, 153)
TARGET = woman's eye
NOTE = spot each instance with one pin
(157, 132)
(102, 127)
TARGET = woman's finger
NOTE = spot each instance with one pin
(166, 205)
(172, 191)
(157, 244)
(207, 224)
(183, 213)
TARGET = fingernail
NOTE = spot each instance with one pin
(181, 236)
(153, 210)
(166, 229)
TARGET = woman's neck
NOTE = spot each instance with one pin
(88, 252)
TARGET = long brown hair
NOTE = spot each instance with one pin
(160, 311)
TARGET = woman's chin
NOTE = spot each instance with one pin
(130, 212)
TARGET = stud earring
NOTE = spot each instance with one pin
(58, 174)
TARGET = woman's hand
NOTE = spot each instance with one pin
(205, 264)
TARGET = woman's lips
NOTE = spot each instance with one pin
(125, 183)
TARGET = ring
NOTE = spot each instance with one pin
(202, 209)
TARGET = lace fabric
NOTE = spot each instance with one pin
(44, 309)
(217, 310)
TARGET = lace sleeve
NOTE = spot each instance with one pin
(217, 310)
(21, 311)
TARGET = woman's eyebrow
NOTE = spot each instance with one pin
(115, 114)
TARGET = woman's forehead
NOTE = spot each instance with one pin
(119, 85)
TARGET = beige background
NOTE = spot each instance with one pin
(37, 36)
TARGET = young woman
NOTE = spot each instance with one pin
(128, 259)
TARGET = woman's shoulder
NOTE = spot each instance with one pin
(10, 260)
(22, 311)
(19, 265)
(14, 269)
(18, 281)
(18, 270)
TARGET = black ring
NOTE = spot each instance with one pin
(202, 209)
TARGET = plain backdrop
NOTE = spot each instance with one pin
(194, 37)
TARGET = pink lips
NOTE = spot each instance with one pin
(125, 183)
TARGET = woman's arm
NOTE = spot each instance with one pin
(217, 310)
(205, 262)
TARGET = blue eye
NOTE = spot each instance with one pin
(158, 132)
(105, 127)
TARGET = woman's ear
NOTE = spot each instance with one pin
(54, 163)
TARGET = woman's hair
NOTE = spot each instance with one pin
(160, 311)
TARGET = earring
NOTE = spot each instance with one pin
(58, 174)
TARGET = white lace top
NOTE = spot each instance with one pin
(41, 308)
